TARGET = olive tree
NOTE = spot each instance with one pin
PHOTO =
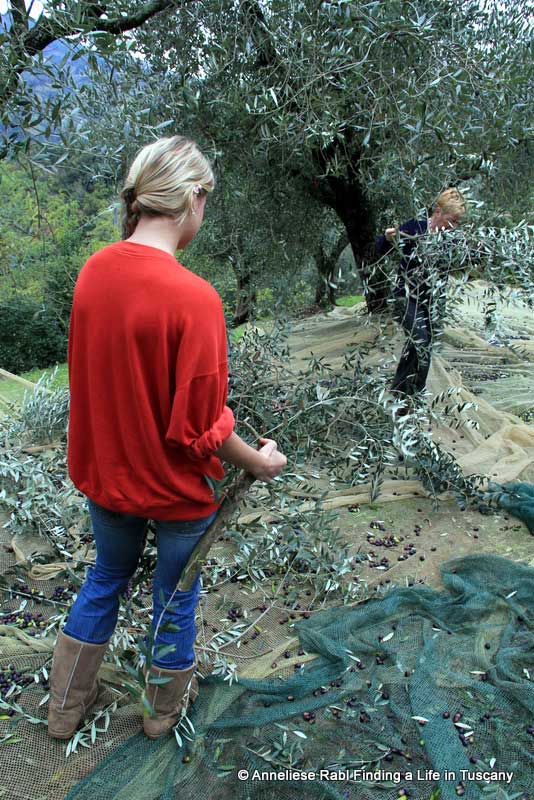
(356, 96)
(271, 235)
(363, 103)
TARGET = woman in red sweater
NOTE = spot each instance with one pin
(148, 423)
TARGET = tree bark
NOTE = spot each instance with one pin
(325, 293)
(246, 297)
(345, 195)
(354, 210)
(349, 200)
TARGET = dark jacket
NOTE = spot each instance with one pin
(411, 269)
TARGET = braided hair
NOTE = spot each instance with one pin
(163, 180)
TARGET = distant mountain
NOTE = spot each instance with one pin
(57, 53)
(59, 50)
(54, 54)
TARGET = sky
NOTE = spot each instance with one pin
(36, 8)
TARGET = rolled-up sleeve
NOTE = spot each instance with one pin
(212, 439)
(200, 420)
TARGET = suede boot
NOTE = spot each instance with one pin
(168, 699)
(73, 683)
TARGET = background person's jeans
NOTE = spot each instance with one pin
(120, 540)
(414, 363)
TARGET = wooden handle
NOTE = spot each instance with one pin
(198, 557)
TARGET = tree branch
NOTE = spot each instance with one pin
(255, 22)
(25, 42)
(138, 18)
(18, 13)
(48, 29)
(199, 555)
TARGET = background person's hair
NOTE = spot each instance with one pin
(163, 180)
(451, 202)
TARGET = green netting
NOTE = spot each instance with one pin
(518, 499)
(423, 653)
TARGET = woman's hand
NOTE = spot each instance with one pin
(273, 461)
(264, 463)
(391, 234)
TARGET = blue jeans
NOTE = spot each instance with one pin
(414, 363)
(120, 540)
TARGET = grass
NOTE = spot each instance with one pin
(13, 392)
(349, 300)
(10, 392)
(61, 380)
(237, 333)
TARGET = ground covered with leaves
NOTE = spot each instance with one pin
(370, 501)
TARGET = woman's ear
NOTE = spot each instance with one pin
(199, 201)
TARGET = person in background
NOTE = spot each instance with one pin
(148, 423)
(412, 289)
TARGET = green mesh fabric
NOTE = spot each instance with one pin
(468, 649)
(518, 499)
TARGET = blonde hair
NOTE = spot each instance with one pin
(163, 180)
(451, 202)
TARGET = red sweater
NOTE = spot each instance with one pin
(148, 381)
